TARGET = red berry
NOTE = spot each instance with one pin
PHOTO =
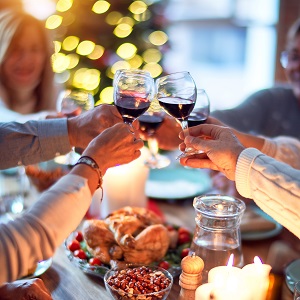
(164, 264)
(183, 230)
(80, 254)
(184, 237)
(74, 245)
(184, 252)
(95, 261)
(79, 236)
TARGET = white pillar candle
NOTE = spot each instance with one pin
(203, 291)
(257, 277)
(124, 185)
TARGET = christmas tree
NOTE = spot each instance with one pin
(95, 38)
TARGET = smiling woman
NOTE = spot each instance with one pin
(26, 77)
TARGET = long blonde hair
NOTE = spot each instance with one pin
(11, 23)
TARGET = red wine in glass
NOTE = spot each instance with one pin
(196, 118)
(131, 107)
(150, 123)
(178, 108)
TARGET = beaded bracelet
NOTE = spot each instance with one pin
(86, 160)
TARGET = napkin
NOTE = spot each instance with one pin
(253, 220)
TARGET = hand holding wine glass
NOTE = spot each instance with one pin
(133, 93)
(176, 93)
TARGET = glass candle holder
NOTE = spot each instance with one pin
(217, 234)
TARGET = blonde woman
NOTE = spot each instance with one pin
(27, 88)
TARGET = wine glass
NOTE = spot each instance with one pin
(133, 93)
(201, 110)
(150, 121)
(72, 103)
(176, 93)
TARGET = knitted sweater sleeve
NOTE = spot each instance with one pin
(273, 185)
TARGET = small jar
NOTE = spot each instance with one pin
(217, 234)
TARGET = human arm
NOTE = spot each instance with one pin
(36, 141)
(35, 235)
(273, 185)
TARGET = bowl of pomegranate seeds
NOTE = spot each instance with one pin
(138, 282)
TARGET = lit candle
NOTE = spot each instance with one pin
(224, 283)
(257, 277)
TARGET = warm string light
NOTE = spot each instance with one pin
(80, 57)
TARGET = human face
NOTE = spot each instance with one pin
(293, 65)
(23, 64)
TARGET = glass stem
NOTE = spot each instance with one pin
(184, 125)
(153, 146)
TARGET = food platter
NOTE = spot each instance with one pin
(173, 257)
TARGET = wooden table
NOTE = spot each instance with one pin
(67, 282)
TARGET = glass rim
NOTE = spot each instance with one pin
(241, 206)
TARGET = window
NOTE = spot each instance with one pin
(228, 46)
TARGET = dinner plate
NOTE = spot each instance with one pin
(292, 274)
(41, 268)
(260, 235)
(176, 182)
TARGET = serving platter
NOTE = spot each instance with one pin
(173, 257)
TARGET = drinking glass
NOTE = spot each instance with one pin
(133, 93)
(176, 93)
(72, 103)
(150, 121)
(201, 110)
(297, 291)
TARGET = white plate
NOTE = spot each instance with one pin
(41, 268)
(177, 182)
(260, 235)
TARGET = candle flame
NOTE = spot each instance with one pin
(230, 260)
(257, 260)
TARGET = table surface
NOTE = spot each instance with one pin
(66, 281)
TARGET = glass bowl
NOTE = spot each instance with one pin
(136, 282)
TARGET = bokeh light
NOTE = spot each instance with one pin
(154, 69)
(70, 43)
(64, 5)
(53, 22)
(106, 95)
(138, 7)
(85, 47)
(152, 55)
(60, 62)
(100, 7)
(113, 18)
(126, 50)
(97, 52)
(123, 30)
(88, 79)
(158, 38)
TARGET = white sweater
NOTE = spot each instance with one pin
(273, 185)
